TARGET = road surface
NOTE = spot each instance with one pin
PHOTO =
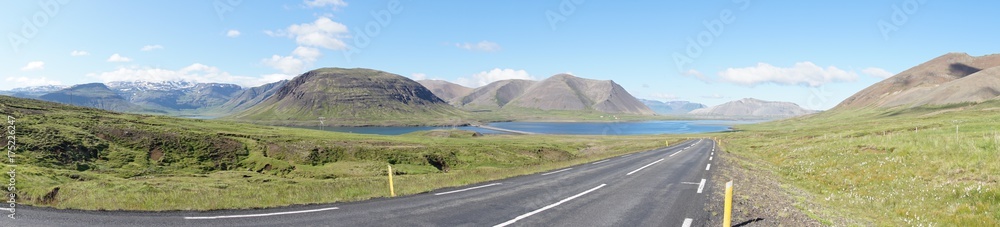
(662, 187)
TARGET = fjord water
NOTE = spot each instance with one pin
(568, 128)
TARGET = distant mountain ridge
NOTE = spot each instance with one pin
(750, 107)
(175, 95)
(95, 95)
(672, 107)
(250, 97)
(947, 79)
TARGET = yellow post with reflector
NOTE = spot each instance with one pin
(392, 190)
(728, 213)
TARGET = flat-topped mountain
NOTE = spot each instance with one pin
(950, 78)
(750, 107)
(351, 97)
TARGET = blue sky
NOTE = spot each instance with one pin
(814, 53)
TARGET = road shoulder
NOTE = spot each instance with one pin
(758, 199)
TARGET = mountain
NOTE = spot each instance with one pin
(33, 92)
(208, 95)
(495, 95)
(250, 97)
(354, 97)
(567, 92)
(175, 95)
(950, 78)
(445, 90)
(749, 107)
(95, 95)
(672, 107)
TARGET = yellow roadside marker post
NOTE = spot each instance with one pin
(392, 191)
(727, 214)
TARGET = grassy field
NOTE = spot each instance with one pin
(83, 158)
(898, 167)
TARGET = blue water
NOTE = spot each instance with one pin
(396, 130)
(621, 128)
(568, 128)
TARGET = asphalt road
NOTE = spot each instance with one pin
(662, 187)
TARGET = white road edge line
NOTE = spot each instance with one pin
(643, 167)
(689, 183)
(259, 215)
(472, 188)
(701, 186)
(687, 222)
(626, 155)
(599, 162)
(710, 158)
(550, 206)
(556, 171)
(708, 167)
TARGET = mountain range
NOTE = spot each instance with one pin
(672, 107)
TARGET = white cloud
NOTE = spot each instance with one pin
(233, 33)
(308, 54)
(32, 66)
(802, 73)
(286, 64)
(78, 53)
(324, 3)
(323, 33)
(151, 47)
(418, 76)
(485, 46)
(30, 82)
(486, 77)
(877, 72)
(196, 72)
(296, 63)
(118, 58)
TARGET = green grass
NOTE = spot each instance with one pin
(898, 167)
(83, 158)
